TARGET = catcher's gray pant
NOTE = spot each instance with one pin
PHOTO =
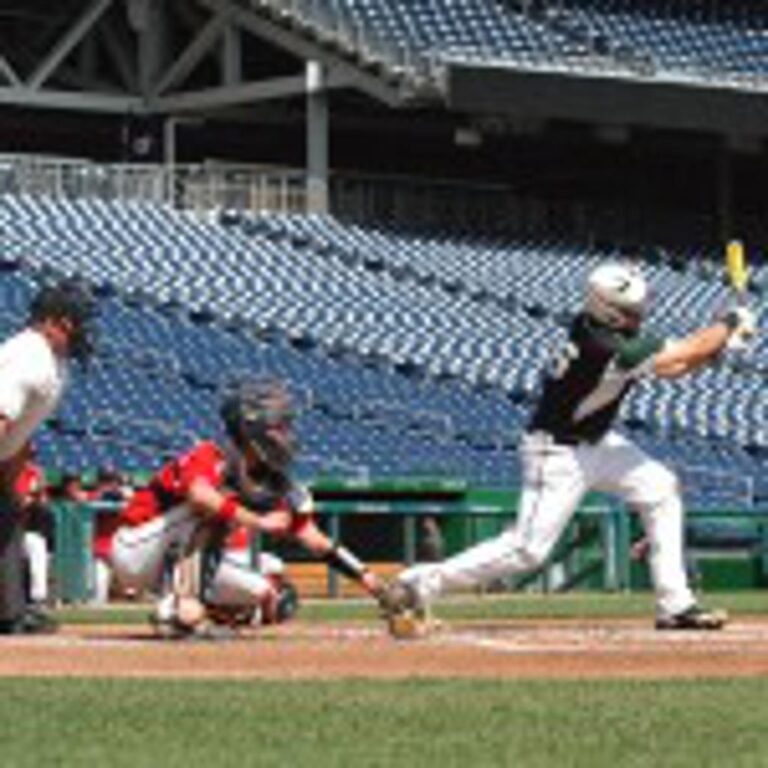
(555, 479)
(12, 593)
(139, 556)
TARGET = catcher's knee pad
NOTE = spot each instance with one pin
(283, 606)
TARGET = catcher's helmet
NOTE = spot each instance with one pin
(259, 414)
(616, 296)
(72, 300)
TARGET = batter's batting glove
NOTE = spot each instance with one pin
(743, 324)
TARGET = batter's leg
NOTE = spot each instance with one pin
(554, 483)
(654, 491)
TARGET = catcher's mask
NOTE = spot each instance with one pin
(258, 415)
(68, 300)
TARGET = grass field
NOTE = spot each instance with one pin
(420, 723)
(357, 723)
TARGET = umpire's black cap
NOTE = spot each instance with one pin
(73, 300)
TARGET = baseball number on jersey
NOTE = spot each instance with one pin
(563, 359)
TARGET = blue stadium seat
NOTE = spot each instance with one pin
(422, 353)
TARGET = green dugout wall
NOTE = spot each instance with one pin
(728, 549)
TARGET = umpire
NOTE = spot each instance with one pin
(34, 370)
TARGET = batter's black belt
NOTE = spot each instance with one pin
(569, 440)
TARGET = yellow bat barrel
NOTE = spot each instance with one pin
(736, 265)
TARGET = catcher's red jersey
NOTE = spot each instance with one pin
(170, 486)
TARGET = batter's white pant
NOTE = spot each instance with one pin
(139, 557)
(555, 479)
(36, 552)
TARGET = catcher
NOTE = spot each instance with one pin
(174, 530)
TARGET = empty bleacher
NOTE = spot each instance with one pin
(422, 353)
(696, 40)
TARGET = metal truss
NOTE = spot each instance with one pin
(163, 57)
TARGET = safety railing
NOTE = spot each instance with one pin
(197, 188)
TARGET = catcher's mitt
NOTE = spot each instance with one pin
(407, 616)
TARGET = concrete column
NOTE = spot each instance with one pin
(231, 55)
(317, 139)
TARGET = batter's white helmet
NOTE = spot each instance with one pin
(616, 295)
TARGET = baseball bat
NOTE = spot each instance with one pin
(736, 268)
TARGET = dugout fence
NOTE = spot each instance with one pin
(595, 552)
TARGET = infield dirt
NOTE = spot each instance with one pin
(550, 648)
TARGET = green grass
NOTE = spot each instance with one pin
(491, 607)
(358, 723)
(420, 723)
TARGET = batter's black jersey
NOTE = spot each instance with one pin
(588, 380)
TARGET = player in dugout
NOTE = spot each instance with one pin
(193, 502)
(570, 447)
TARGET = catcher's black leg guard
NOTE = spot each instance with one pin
(212, 555)
(287, 602)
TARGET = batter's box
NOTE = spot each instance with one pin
(621, 637)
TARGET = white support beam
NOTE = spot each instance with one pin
(318, 137)
(76, 100)
(306, 50)
(65, 45)
(8, 72)
(191, 56)
(227, 96)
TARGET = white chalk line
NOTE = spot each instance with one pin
(741, 639)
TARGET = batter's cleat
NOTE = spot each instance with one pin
(693, 618)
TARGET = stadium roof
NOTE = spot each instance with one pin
(166, 56)
(175, 57)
